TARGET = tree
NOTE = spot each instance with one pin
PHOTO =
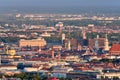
(21, 76)
(62, 78)
(115, 78)
(37, 77)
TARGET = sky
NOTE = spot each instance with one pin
(38, 3)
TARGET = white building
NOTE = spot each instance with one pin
(61, 72)
(45, 34)
(109, 75)
(8, 67)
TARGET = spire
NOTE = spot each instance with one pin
(96, 43)
(83, 33)
(63, 37)
(59, 57)
(106, 38)
(97, 37)
(0, 59)
(69, 45)
(79, 47)
(106, 43)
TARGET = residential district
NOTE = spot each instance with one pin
(70, 58)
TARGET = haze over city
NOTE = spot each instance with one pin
(59, 40)
(59, 3)
(60, 6)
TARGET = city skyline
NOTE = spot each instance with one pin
(59, 40)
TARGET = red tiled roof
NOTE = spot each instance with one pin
(115, 47)
(52, 78)
(83, 68)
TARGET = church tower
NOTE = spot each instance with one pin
(96, 43)
(63, 37)
(0, 59)
(106, 43)
(79, 47)
(53, 54)
(83, 34)
(59, 57)
(69, 42)
(69, 45)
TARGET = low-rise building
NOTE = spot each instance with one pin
(40, 42)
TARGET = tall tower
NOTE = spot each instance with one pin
(106, 43)
(83, 33)
(69, 43)
(59, 26)
(0, 59)
(79, 47)
(39, 50)
(96, 43)
(6, 49)
(53, 55)
(85, 41)
(63, 37)
(59, 57)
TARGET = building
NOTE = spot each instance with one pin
(8, 67)
(59, 27)
(106, 43)
(60, 72)
(110, 75)
(70, 44)
(84, 33)
(96, 43)
(63, 37)
(12, 51)
(115, 49)
(57, 47)
(52, 78)
(45, 34)
(85, 42)
(100, 42)
(79, 47)
(40, 42)
(53, 54)
(72, 58)
(91, 27)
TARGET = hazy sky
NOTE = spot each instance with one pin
(59, 3)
